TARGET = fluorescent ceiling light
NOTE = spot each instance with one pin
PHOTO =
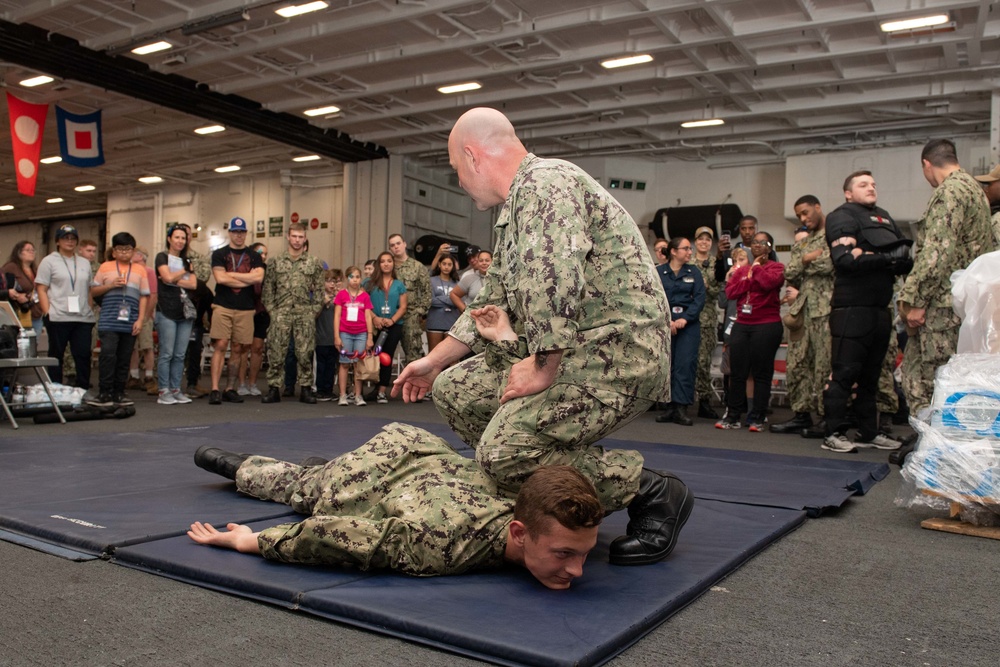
(224, 170)
(54, 200)
(152, 48)
(305, 158)
(37, 81)
(626, 61)
(150, 179)
(460, 87)
(914, 24)
(703, 123)
(322, 111)
(296, 10)
(84, 188)
(6, 207)
(210, 129)
(51, 160)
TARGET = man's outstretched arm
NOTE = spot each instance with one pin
(238, 537)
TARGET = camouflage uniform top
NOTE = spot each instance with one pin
(293, 283)
(996, 230)
(814, 280)
(572, 271)
(201, 265)
(954, 230)
(712, 286)
(428, 510)
(418, 288)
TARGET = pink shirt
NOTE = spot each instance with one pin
(758, 293)
(362, 302)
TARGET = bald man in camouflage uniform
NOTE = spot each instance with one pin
(572, 272)
(418, 297)
(293, 295)
(810, 273)
(954, 230)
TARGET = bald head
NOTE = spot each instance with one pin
(485, 153)
(486, 127)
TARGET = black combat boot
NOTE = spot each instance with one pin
(273, 395)
(219, 461)
(656, 516)
(681, 415)
(801, 420)
(306, 395)
(817, 431)
(705, 410)
(667, 416)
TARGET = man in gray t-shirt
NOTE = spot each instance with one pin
(63, 284)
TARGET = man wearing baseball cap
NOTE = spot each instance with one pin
(991, 186)
(63, 284)
(236, 269)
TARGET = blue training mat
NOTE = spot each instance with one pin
(504, 617)
(131, 497)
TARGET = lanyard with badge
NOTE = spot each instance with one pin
(124, 310)
(73, 300)
(353, 308)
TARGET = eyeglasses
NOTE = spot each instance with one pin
(760, 244)
(123, 249)
(684, 247)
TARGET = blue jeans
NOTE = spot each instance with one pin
(173, 336)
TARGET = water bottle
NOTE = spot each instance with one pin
(23, 345)
(380, 341)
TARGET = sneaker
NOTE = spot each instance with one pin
(215, 398)
(729, 423)
(179, 396)
(343, 400)
(838, 443)
(380, 398)
(880, 442)
(230, 396)
(361, 401)
(102, 401)
(324, 396)
(756, 424)
(254, 390)
(243, 390)
(166, 397)
(122, 400)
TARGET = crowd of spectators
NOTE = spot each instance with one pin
(290, 311)
(850, 276)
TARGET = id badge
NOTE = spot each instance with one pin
(747, 309)
(352, 312)
(73, 304)
(123, 313)
(729, 328)
(385, 308)
(677, 310)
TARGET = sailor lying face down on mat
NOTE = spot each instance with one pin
(406, 501)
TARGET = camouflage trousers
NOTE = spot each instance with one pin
(808, 366)
(886, 399)
(404, 500)
(926, 351)
(412, 339)
(284, 323)
(556, 426)
(709, 340)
